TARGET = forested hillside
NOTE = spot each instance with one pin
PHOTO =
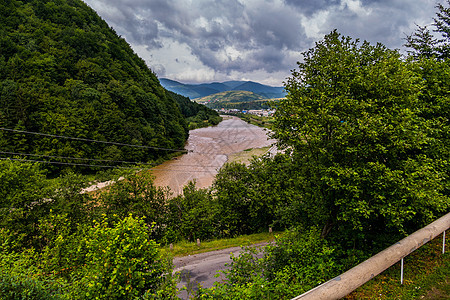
(64, 71)
(197, 115)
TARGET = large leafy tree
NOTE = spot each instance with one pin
(351, 123)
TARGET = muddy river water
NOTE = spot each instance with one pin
(209, 149)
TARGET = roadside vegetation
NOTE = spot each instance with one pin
(365, 163)
(426, 276)
(183, 248)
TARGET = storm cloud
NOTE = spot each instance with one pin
(260, 40)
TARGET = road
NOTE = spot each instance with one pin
(201, 268)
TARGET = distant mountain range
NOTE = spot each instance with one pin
(194, 91)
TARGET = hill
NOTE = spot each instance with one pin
(197, 115)
(195, 91)
(64, 71)
(242, 100)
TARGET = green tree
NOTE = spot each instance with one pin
(351, 122)
(442, 24)
(23, 192)
(194, 214)
(424, 44)
(137, 195)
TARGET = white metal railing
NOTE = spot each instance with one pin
(347, 282)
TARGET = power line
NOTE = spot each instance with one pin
(74, 158)
(99, 160)
(64, 163)
(90, 140)
(103, 166)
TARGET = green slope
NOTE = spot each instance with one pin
(242, 100)
(64, 71)
(231, 96)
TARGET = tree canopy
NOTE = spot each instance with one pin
(352, 121)
(64, 71)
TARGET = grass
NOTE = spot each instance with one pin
(265, 122)
(426, 276)
(246, 155)
(184, 248)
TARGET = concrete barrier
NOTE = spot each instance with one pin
(347, 282)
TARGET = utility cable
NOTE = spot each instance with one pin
(64, 163)
(102, 166)
(90, 140)
(75, 158)
(99, 160)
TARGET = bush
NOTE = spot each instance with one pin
(297, 262)
(193, 215)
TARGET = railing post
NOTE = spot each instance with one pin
(401, 273)
(443, 243)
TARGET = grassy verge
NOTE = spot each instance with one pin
(426, 276)
(246, 155)
(265, 122)
(184, 248)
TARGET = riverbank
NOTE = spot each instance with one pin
(209, 149)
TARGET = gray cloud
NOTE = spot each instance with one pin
(309, 7)
(223, 38)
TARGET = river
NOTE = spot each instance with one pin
(209, 149)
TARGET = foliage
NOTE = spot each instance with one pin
(193, 215)
(351, 121)
(196, 115)
(23, 190)
(69, 199)
(297, 262)
(102, 260)
(137, 195)
(267, 193)
(424, 44)
(119, 261)
(64, 71)
(19, 279)
(245, 197)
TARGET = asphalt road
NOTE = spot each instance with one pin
(202, 268)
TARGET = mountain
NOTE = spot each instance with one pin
(195, 91)
(266, 91)
(64, 71)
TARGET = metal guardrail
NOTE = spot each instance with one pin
(347, 282)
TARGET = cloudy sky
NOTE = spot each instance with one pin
(259, 40)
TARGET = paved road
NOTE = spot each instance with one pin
(201, 268)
